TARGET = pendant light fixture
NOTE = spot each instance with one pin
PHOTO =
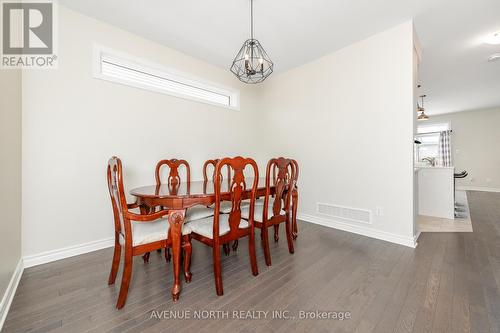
(420, 108)
(252, 64)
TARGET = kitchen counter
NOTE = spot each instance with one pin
(434, 167)
(436, 195)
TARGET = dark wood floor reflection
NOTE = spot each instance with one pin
(450, 283)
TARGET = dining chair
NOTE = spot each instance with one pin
(174, 180)
(224, 228)
(294, 205)
(213, 163)
(295, 201)
(275, 209)
(137, 234)
(225, 206)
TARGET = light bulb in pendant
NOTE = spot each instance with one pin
(247, 63)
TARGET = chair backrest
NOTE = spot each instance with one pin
(296, 165)
(173, 179)
(284, 174)
(213, 163)
(117, 194)
(237, 188)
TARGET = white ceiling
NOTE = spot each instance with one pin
(454, 73)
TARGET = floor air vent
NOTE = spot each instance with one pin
(346, 213)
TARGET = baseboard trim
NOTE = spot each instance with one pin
(416, 238)
(478, 188)
(10, 292)
(70, 251)
(360, 230)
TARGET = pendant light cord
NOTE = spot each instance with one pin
(251, 19)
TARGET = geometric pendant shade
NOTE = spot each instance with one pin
(252, 64)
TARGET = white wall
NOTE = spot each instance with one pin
(72, 124)
(348, 118)
(10, 177)
(475, 147)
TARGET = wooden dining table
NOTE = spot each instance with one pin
(177, 199)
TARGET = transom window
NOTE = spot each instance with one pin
(111, 66)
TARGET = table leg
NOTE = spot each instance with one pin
(176, 220)
(145, 210)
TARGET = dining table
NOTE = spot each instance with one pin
(177, 198)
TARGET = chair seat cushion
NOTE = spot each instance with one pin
(226, 206)
(149, 232)
(205, 227)
(259, 202)
(258, 212)
(198, 213)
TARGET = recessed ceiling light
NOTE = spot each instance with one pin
(493, 39)
(494, 57)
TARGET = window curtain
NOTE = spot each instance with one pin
(444, 155)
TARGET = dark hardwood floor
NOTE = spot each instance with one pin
(450, 283)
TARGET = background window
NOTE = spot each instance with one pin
(428, 135)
